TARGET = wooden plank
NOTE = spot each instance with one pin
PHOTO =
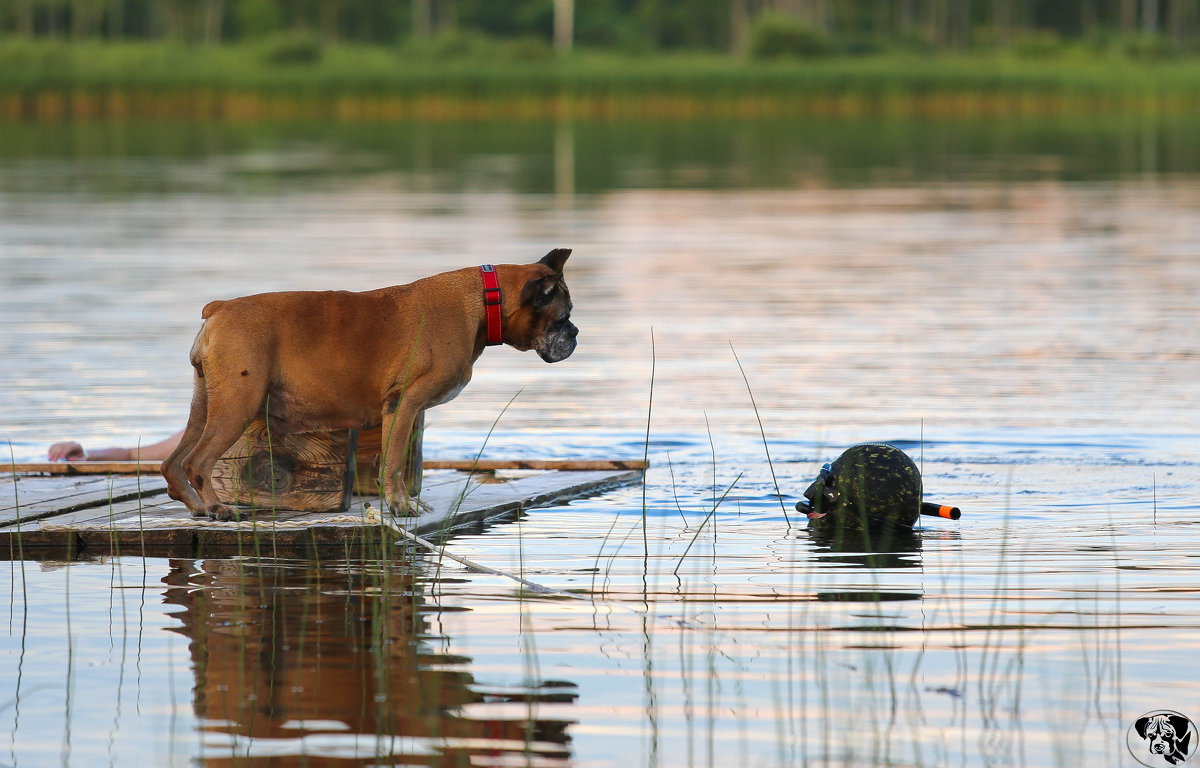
(90, 531)
(160, 526)
(471, 502)
(73, 468)
(49, 504)
(168, 529)
(93, 498)
(557, 465)
(29, 490)
(121, 514)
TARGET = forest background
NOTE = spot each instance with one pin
(1140, 27)
(458, 58)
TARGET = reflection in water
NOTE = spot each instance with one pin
(888, 548)
(309, 664)
(596, 157)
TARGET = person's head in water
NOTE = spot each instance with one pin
(870, 486)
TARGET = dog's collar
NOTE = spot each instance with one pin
(491, 305)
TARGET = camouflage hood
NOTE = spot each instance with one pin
(870, 486)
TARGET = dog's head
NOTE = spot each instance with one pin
(1168, 735)
(542, 322)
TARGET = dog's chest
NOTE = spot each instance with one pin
(451, 393)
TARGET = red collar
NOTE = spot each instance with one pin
(491, 305)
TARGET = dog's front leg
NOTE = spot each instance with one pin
(400, 457)
(413, 464)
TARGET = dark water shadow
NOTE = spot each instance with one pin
(891, 548)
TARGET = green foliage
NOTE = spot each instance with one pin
(1032, 29)
(776, 36)
(484, 76)
(18, 55)
(468, 46)
(294, 47)
(258, 18)
(528, 49)
(461, 44)
(861, 45)
(909, 41)
(605, 24)
(1043, 44)
(1146, 47)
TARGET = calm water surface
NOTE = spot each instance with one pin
(1015, 305)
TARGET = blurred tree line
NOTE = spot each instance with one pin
(758, 27)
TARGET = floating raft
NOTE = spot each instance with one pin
(52, 510)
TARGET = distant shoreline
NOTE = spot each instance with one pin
(97, 81)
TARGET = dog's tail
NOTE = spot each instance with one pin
(199, 346)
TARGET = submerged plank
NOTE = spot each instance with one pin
(557, 465)
(470, 501)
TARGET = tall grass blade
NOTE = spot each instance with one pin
(708, 517)
(646, 446)
(763, 432)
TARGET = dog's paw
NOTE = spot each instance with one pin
(412, 507)
(223, 512)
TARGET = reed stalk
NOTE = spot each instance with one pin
(763, 432)
(708, 517)
(467, 487)
(646, 453)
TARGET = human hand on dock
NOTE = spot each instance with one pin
(67, 451)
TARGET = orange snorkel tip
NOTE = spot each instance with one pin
(936, 510)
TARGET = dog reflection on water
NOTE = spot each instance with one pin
(283, 652)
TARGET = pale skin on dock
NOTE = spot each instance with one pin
(69, 450)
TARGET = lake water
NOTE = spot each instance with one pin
(1014, 303)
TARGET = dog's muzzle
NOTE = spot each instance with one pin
(559, 341)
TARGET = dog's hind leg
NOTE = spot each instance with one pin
(230, 408)
(178, 486)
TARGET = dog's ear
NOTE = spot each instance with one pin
(540, 292)
(1140, 724)
(1180, 724)
(555, 259)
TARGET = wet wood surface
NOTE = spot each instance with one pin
(54, 516)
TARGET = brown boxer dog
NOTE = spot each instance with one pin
(309, 360)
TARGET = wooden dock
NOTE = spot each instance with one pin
(67, 510)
